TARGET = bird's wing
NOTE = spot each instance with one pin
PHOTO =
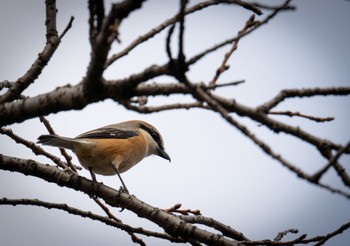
(109, 132)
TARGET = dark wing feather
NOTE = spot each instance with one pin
(108, 132)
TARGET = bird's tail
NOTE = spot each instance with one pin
(56, 141)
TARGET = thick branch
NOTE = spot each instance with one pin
(51, 11)
(170, 223)
(72, 97)
(93, 82)
(97, 14)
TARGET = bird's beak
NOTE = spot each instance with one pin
(163, 154)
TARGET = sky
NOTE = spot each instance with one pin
(214, 167)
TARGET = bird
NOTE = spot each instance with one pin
(112, 149)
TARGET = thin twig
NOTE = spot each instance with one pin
(318, 240)
(62, 150)
(199, 92)
(338, 231)
(333, 160)
(106, 210)
(280, 235)
(176, 209)
(154, 109)
(213, 87)
(33, 147)
(134, 238)
(158, 29)
(43, 58)
(181, 55)
(270, 7)
(226, 230)
(223, 67)
(171, 224)
(291, 114)
(307, 92)
(168, 43)
(69, 26)
(199, 56)
(90, 215)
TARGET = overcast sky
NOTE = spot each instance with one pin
(214, 167)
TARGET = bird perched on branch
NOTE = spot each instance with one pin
(112, 149)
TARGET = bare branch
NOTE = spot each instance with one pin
(6, 84)
(154, 109)
(338, 231)
(134, 238)
(318, 240)
(44, 57)
(133, 92)
(269, 7)
(291, 114)
(37, 150)
(62, 150)
(333, 162)
(170, 223)
(213, 87)
(176, 209)
(181, 55)
(88, 214)
(212, 223)
(309, 92)
(217, 106)
(97, 14)
(168, 41)
(93, 82)
(69, 26)
(280, 235)
(156, 30)
(249, 24)
(199, 56)
(51, 28)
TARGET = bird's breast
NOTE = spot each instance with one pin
(103, 156)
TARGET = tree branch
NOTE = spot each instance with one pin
(62, 150)
(171, 21)
(44, 57)
(291, 114)
(170, 223)
(248, 25)
(97, 14)
(308, 92)
(30, 145)
(210, 222)
(93, 81)
(284, 6)
(88, 214)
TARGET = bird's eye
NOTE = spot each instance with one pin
(155, 135)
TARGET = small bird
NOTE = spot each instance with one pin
(112, 149)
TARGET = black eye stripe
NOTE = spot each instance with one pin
(154, 134)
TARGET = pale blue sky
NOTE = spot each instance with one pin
(214, 167)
